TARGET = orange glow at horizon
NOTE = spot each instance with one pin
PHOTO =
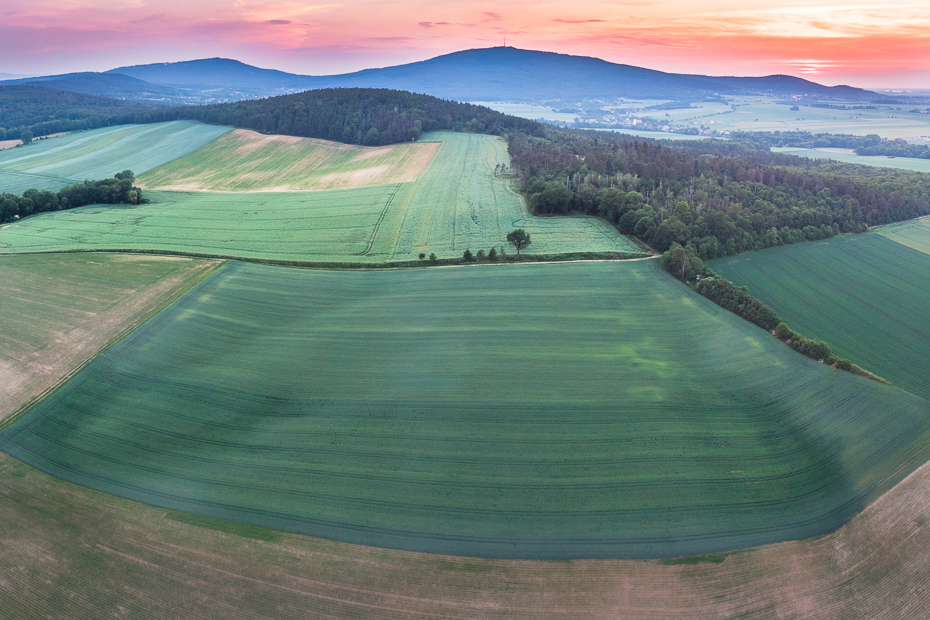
(860, 42)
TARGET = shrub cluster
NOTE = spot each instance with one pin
(821, 351)
(739, 301)
(116, 190)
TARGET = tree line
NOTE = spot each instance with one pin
(116, 190)
(43, 111)
(715, 198)
(690, 269)
(871, 144)
(366, 116)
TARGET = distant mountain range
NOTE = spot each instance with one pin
(491, 74)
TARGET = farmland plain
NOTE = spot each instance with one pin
(914, 234)
(457, 203)
(848, 156)
(517, 411)
(91, 554)
(57, 311)
(865, 295)
(244, 160)
(100, 153)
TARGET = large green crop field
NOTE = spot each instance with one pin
(526, 411)
(457, 203)
(914, 234)
(99, 154)
(865, 295)
(248, 161)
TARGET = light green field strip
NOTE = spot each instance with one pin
(914, 234)
(58, 310)
(523, 411)
(73, 553)
(248, 161)
(865, 295)
(457, 203)
(848, 156)
(100, 153)
(308, 226)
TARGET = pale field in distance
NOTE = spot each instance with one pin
(245, 160)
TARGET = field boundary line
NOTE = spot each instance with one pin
(138, 322)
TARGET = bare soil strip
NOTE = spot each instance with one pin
(58, 311)
(70, 552)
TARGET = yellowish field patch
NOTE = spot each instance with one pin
(246, 161)
(69, 552)
(59, 310)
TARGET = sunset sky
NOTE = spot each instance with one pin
(858, 42)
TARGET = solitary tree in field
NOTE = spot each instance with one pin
(25, 136)
(519, 239)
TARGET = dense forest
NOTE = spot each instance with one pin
(44, 111)
(352, 115)
(714, 198)
(117, 190)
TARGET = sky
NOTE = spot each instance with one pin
(858, 42)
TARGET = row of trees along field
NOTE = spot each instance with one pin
(689, 268)
(116, 190)
(716, 198)
(44, 111)
(352, 115)
(871, 144)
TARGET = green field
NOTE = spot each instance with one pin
(457, 203)
(248, 161)
(848, 156)
(526, 411)
(865, 295)
(99, 154)
(914, 234)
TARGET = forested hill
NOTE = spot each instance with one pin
(45, 111)
(714, 198)
(351, 115)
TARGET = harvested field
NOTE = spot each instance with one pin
(456, 204)
(248, 161)
(534, 411)
(865, 295)
(914, 234)
(57, 311)
(100, 153)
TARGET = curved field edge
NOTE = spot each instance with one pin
(621, 415)
(72, 552)
(247, 161)
(58, 311)
(865, 295)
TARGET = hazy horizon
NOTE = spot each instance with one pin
(854, 42)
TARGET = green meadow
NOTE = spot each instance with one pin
(914, 234)
(100, 153)
(865, 295)
(520, 411)
(457, 203)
